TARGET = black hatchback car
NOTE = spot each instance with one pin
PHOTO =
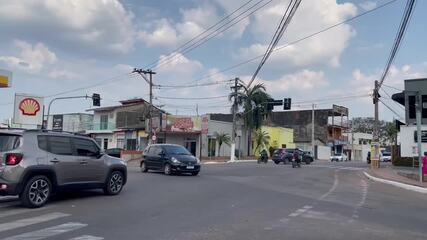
(169, 158)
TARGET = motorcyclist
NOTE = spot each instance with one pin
(263, 155)
(296, 156)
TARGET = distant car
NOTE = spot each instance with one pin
(169, 158)
(368, 158)
(339, 157)
(285, 155)
(385, 157)
(114, 152)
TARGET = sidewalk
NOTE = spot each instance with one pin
(396, 176)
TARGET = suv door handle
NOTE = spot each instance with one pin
(55, 160)
(83, 162)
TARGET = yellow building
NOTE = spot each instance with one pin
(279, 137)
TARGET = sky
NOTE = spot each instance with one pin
(82, 47)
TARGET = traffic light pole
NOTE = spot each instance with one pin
(59, 98)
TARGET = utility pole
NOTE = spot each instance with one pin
(236, 88)
(312, 129)
(419, 107)
(375, 161)
(143, 73)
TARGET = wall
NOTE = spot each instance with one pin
(180, 139)
(279, 136)
(323, 152)
(408, 146)
(411, 87)
(78, 122)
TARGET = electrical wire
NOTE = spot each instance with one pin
(211, 35)
(294, 42)
(284, 22)
(397, 89)
(391, 109)
(386, 93)
(397, 42)
(154, 63)
(192, 98)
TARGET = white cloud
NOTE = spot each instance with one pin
(326, 47)
(63, 74)
(96, 24)
(368, 5)
(176, 63)
(31, 58)
(193, 21)
(301, 81)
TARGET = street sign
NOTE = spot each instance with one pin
(28, 110)
(287, 102)
(5, 78)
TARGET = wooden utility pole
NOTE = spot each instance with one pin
(143, 73)
(235, 89)
(375, 158)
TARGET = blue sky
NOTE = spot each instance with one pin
(54, 46)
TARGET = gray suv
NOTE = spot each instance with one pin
(35, 163)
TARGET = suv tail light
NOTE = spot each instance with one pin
(13, 159)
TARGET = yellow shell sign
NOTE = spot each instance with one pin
(5, 78)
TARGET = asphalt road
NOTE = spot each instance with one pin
(234, 201)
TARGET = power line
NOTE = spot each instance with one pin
(294, 42)
(194, 85)
(391, 109)
(192, 98)
(284, 22)
(400, 34)
(202, 33)
(391, 98)
(213, 34)
(397, 89)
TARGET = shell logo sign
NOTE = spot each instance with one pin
(28, 110)
(29, 107)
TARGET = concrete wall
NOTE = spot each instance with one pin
(78, 122)
(218, 127)
(279, 136)
(408, 146)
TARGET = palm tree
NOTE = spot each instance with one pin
(253, 100)
(222, 138)
(261, 140)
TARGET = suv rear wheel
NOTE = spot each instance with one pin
(114, 184)
(167, 169)
(36, 192)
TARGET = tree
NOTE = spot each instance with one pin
(261, 140)
(253, 102)
(390, 133)
(222, 138)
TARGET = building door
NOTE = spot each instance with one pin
(211, 147)
(191, 145)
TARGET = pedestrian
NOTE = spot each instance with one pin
(425, 164)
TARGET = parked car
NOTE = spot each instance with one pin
(339, 157)
(114, 152)
(385, 157)
(169, 158)
(36, 163)
(285, 155)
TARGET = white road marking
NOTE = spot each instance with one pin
(16, 211)
(30, 221)
(50, 232)
(334, 186)
(300, 211)
(87, 237)
(317, 215)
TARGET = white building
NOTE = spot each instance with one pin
(359, 145)
(406, 138)
(70, 122)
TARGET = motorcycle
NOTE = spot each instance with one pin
(263, 158)
(296, 163)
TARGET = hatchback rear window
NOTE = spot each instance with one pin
(277, 151)
(9, 142)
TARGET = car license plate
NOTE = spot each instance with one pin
(190, 167)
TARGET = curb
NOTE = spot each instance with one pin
(398, 184)
(228, 162)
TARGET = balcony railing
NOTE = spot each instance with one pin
(102, 126)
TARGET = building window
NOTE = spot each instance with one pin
(104, 122)
(120, 143)
(131, 144)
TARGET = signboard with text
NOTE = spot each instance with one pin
(57, 122)
(28, 110)
(5, 78)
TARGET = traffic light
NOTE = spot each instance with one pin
(96, 99)
(287, 102)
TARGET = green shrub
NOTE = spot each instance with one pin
(405, 161)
